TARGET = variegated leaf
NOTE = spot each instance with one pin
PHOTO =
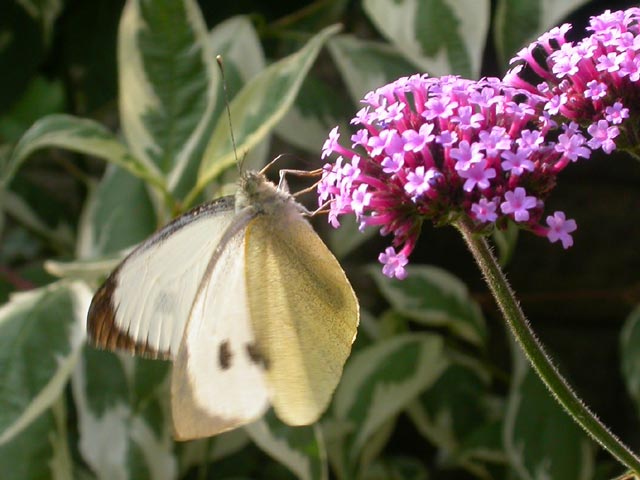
(117, 215)
(382, 379)
(258, 108)
(82, 136)
(237, 41)
(314, 113)
(518, 22)
(365, 65)
(456, 408)
(506, 241)
(168, 86)
(398, 466)
(376, 444)
(90, 271)
(123, 420)
(630, 355)
(200, 452)
(435, 297)
(541, 440)
(41, 336)
(41, 450)
(348, 237)
(300, 449)
(440, 36)
(44, 12)
(60, 238)
(41, 97)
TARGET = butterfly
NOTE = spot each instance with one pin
(248, 302)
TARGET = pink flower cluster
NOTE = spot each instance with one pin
(592, 82)
(441, 148)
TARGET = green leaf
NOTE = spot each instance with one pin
(396, 467)
(376, 444)
(236, 40)
(41, 450)
(506, 242)
(168, 86)
(90, 270)
(440, 36)
(44, 12)
(41, 98)
(123, 419)
(382, 379)
(348, 237)
(41, 335)
(434, 297)
(200, 452)
(630, 353)
(316, 111)
(518, 22)
(81, 136)
(59, 238)
(454, 410)
(117, 215)
(366, 65)
(300, 449)
(258, 108)
(541, 440)
(22, 52)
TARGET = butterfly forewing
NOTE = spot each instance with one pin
(247, 300)
(218, 380)
(144, 304)
(303, 311)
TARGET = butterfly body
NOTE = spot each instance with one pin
(248, 302)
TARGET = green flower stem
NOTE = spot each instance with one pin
(534, 351)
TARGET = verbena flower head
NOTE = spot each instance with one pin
(594, 82)
(439, 149)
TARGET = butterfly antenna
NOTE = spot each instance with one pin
(226, 104)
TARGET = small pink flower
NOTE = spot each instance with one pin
(484, 210)
(602, 136)
(330, 143)
(517, 162)
(560, 229)
(394, 263)
(518, 203)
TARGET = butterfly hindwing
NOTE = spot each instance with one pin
(144, 304)
(303, 311)
(218, 380)
(249, 303)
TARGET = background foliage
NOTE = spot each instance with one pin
(111, 123)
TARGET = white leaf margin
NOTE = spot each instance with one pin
(104, 441)
(396, 20)
(279, 449)
(81, 297)
(390, 398)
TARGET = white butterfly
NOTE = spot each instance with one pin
(248, 302)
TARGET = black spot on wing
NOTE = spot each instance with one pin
(256, 356)
(224, 355)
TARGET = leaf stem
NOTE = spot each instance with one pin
(534, 350)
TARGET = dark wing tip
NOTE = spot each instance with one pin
(102, 330)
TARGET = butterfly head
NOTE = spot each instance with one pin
(256, 191)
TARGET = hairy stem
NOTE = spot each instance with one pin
(534, 351)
